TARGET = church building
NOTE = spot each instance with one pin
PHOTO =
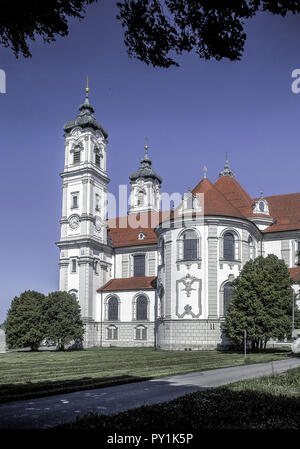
(160, 278)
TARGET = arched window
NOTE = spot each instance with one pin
(74, 265)
(251, 248)
(139, 265)
(261, 206)
(162, 251)
(141, 198)
(98, 158)
(141, 308)
(227, 296)
(74, 293)
(190, 245)
(76, 157)
(141, 333)
(113, 309)
(229, 246)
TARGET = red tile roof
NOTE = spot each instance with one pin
(124, 231)
(225, 197)
(235, 194)
(285, 209)
(215, 202)
(135, 283)
(295, 273)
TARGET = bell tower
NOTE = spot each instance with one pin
(145, 187)
(85, 256)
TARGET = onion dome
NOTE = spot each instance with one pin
(145, 170)
(85, 118)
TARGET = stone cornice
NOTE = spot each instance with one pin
(282, 235)
(142, 248)
(241, 223)
(85, 170)
(73, 242)
(83, 217)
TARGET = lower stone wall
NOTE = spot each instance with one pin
(171, 334)
(190, 335)
(96, 334)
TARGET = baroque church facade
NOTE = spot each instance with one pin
(160, 278)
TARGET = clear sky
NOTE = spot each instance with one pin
(192, 115)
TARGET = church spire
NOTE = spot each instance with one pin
(145, 170)
(85, 118)
(227, 170)
(145, 187)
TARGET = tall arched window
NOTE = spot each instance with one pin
(141, 308)
(74, 293)
(190, 245)
(251, 248)
(139, 265)
(98, 158)
(113, 309)
(141, 198)
(76, 157)
(227, 296)
(162, 251)
(228, 246)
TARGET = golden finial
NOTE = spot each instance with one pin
(87, 85)
(204, 171)
(146, 144)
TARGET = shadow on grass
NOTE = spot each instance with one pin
(282, 350)
(220, 408)
(30, 390)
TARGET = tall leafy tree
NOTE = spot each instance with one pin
(62, 315)
(155, 30)
(28, 19)
(261, 302)
(25, 326)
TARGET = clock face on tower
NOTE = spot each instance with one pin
(74, 221)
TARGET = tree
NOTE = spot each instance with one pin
(154, 29)
(24, 323)
(212, 28)
(62, 315)
(22, 21)
(261, 302)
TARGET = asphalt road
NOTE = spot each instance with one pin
(49, 411)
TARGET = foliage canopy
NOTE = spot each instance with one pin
(154, 30)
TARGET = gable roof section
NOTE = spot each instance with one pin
(134, 283)
(235, 194)
(285, 209)
(215, 202)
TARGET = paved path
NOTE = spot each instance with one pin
(52, 410)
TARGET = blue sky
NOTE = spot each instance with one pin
(192, 115)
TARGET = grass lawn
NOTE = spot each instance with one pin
(35, 374)
(265, 403)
